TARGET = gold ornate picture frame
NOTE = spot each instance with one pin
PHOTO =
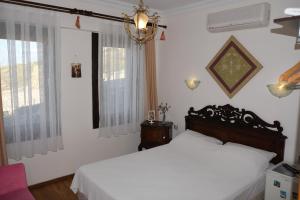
(233, 67)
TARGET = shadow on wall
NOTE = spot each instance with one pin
(297, 149)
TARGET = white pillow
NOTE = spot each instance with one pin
(266, 154)
(260, 158)
(204, 137)
(191, 147)
(188, 139)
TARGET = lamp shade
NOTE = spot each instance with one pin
(279, 90)
(292, 11)
(141, 20)
(192, 83)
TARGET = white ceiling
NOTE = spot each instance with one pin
(163, 5)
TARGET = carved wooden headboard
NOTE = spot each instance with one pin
(230, 124)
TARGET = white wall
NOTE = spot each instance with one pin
(81, 143)
(190, 47)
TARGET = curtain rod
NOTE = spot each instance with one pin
(69, 10)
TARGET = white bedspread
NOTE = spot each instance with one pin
(168, 172)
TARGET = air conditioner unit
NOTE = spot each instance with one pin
(252, 16)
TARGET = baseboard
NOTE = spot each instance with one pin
(38, 185)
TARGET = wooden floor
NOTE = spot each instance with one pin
(58, 190)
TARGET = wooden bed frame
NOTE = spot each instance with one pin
(230, 124)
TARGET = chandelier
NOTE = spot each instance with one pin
(145, 25)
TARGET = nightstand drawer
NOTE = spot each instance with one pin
(155, 134)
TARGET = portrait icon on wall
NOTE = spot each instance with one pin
(76, 70)
(151, 116)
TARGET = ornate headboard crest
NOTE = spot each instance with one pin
(230, 124)
(235, 116)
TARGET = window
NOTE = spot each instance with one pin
(114, 82)
(113, 63)
(121, 82)
(22, 66)
(26, 91)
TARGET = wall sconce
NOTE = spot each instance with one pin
(287, 82)
(192, 83)
(281, 89)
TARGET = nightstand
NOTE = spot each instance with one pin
(281, 184)
(155, 134)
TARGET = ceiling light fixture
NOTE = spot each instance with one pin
(145, 25)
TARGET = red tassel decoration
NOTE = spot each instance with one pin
(162, 36)
(77, 23)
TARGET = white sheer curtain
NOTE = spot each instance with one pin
(30, 81)
(121, 85)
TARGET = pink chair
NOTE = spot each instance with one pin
(13, 185)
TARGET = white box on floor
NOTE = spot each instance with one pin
(281, 184)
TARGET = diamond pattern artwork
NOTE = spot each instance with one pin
(233, 67)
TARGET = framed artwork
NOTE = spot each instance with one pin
(233, 67)
(151, 116)
(76, 70)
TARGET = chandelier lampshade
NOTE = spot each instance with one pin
(145, 25)
(141, 20)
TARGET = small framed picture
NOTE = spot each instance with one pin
(151, 116)
(76, 70)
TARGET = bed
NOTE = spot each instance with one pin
(223, 155)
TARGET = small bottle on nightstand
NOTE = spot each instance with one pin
(281, 183)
